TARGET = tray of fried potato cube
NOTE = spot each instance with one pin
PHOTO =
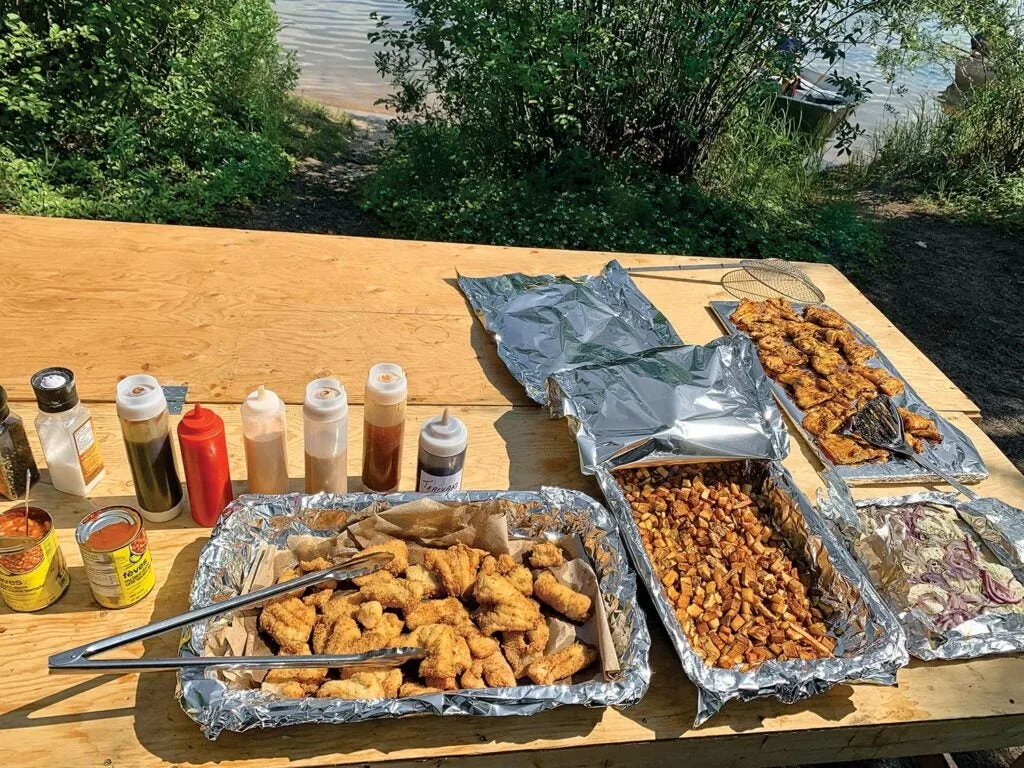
(521, 602)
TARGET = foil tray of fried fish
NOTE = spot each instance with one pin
(521, 601)
(822, 369)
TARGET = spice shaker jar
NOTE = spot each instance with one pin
(204, 455)
(384, 427)
(16, 460)
(442, 454)
(325, 435)
(145, 426)
(264, 431)
(65, 432)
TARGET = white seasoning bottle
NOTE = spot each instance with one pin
(325, 436)
(442, 454)
(264, 432)
(65, 432)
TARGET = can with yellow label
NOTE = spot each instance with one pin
(116, 555)
(33, 574)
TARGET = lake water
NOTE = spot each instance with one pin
(329, 37)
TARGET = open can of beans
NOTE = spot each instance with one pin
(115, 552)
(33, 574)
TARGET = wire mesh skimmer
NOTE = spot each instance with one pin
(879, 423)
(761, 278)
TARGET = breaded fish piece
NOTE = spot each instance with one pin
(290, 690)
(415, 689)
(492, 672)
(316, 564)
(400, 594)
(503, 607)
(369, 614)
(574, 605)
(432, 586)
(442, 683)
(826, 318)
(400, 556)
(288, 622)
(517, 573)
(362, 685)
(390, 679)
(309, 678)
(561, 664)
(546, 554)
(337, 636)
(521, 648)
(890, 385)
(343, 604)
(287, 575)
(318, 598)
(846, 450)
(452, 612)
(456, 567)
(448, 655)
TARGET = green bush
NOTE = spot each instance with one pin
(156, 110)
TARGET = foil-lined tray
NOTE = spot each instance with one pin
(254, 521)
(647, 410)
(548, 323)
(998, 526)
(956, 453)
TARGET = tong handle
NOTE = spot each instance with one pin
(358, 565)
(681, 267)
(932, 467)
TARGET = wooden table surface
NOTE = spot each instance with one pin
(225, 310)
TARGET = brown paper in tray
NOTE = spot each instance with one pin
(422, 523)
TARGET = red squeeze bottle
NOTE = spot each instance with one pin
(204, 454)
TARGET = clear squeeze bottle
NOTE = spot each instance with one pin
(442, 454)
(325, 431)
(265, 434)
(142, 411)
(384, 427)
(65, 433)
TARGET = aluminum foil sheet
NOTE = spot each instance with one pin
(872, 645)
(956, 453)
(257, 520)
(548, 323)
(691, 401)
(999, 527)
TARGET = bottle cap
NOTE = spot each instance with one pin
(4, 408)
(54, 389)
(200, 424)
(326, 400)
(263, 401)
(386, 384)
(443, 435)
(140, 397)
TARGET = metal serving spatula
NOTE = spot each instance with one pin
(879, 423)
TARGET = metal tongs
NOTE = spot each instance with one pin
(879, 423)
(79, 659)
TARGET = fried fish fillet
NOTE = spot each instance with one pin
(309, 678)
(920, 426)
(400, 594)
(442, 683)
(821, 421)
(517, 573)
(390, 679)
(337, 636)
(415, 689)
(362, 685)
(851, 385)
(799, 379)
(492, 672)
(807, 397)
(288, 622)
(846, 450)
(858, 353)
(546, 554)
(448, 655)
(370, 613)
(503, 607)
(826, 318)
(432, 586)
(827, 361)
(452, 612)
(399, 562)
(456, 567)
(520, 648)
(342, 604)
(749, 312)
(318, 598)
(773, 364)
(561, 664)
(890, 385)
(570, 603)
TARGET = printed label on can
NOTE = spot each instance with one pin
(429, 483)
(88, 452)
(123, 576)
(35, 577)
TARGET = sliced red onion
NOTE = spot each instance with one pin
(959, 561)
(931, 577)
(956, 613)
(996, 591)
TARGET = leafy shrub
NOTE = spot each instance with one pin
(156, 110)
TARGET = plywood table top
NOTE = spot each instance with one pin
(125, 320)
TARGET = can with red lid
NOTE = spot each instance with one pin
(204, 455)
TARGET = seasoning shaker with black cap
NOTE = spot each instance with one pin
(17, 463)
(65, 432)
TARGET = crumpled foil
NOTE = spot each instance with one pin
(694, 402)
(548, 323)
(649, 410)
(1000, 527)
(955, 454)
(252, 521)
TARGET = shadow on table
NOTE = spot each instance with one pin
(540, 451)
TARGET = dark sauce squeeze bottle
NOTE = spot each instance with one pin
(442, 454)
(384, 427)
(145, 426)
